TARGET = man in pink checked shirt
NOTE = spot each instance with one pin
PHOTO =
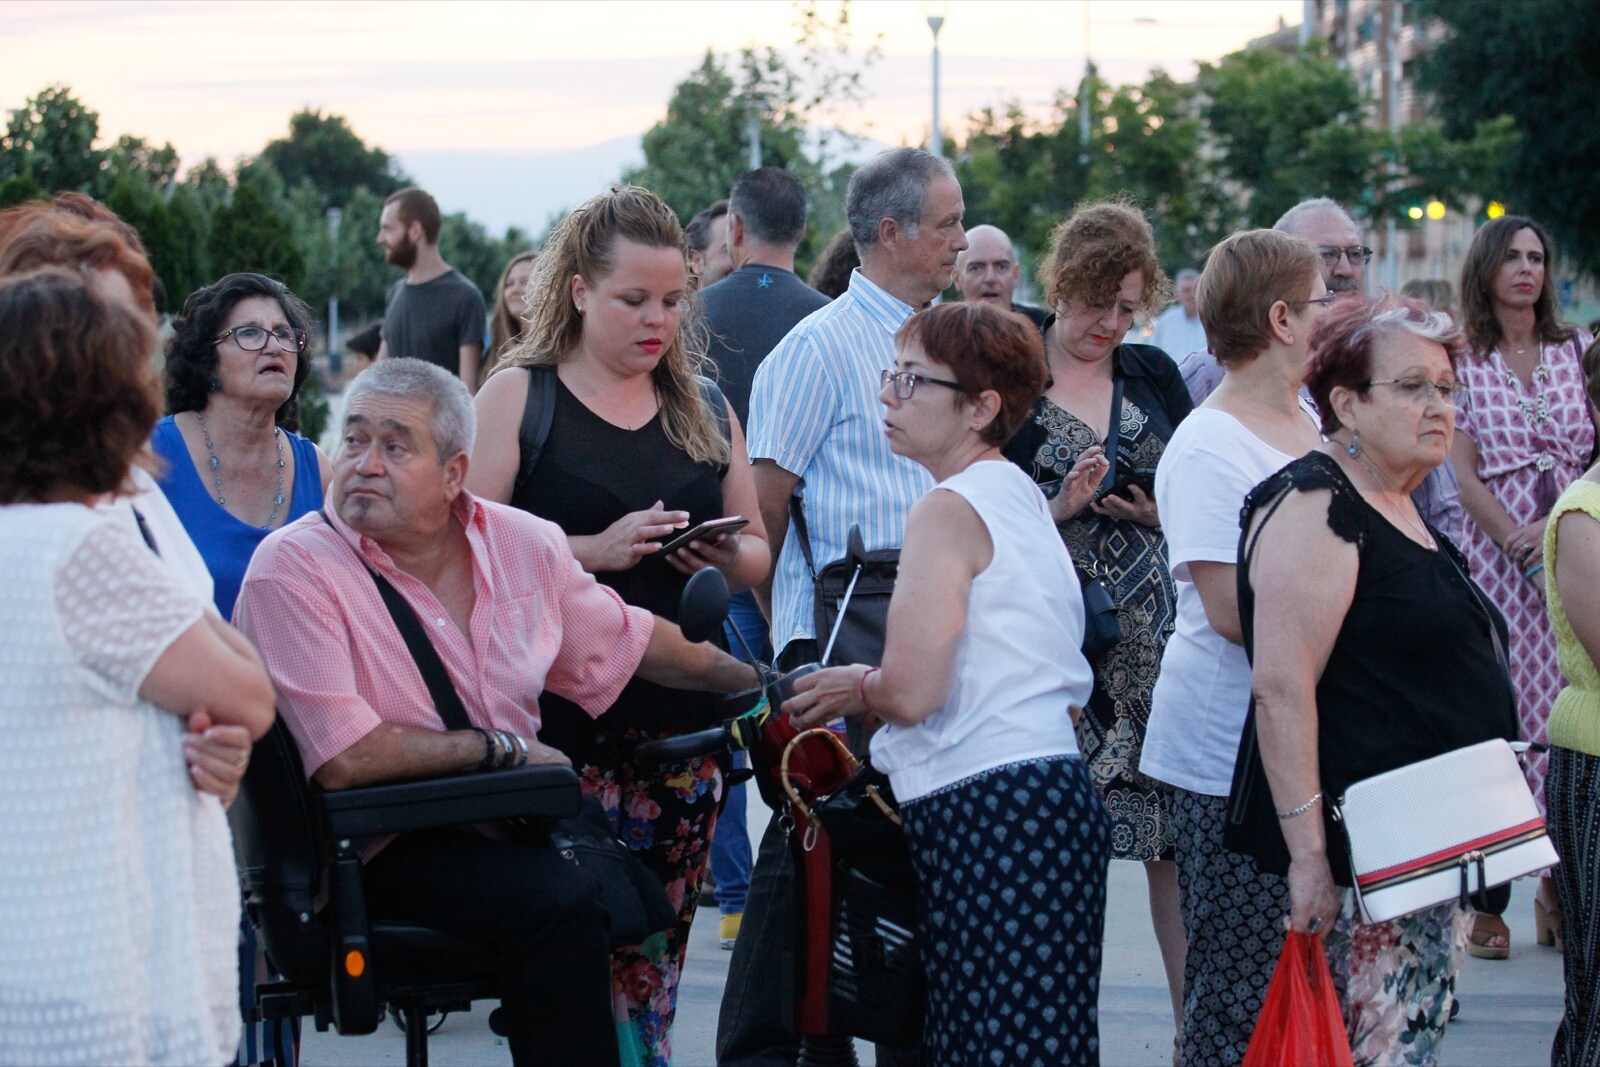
(511, 614)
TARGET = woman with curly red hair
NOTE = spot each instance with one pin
(1100, 274)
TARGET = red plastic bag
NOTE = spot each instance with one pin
(1300, 1024)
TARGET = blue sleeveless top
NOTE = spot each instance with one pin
(225, 542)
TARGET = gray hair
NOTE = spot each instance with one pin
(455, 422)
(1322, 205)
(1185, 274)
(892, 185)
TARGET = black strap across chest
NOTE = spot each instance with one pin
(446, 701)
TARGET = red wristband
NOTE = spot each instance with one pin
(861, 691)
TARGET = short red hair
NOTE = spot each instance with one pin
(985, 348)
(1344, 342)
(44, 234)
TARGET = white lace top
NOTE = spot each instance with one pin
(118, 901)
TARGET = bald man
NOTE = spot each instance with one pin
(988, 271)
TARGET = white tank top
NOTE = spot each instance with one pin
(1019, 668)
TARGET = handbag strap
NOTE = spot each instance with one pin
(1114, 432)
(797, 515)
(446, 701)
(1494, 631)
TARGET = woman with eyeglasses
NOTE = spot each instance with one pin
(1527, 432)
(982, 678)
(235, 470)
(1259, 296)
(1371, 649)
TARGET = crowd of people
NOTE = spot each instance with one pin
(1333, 534)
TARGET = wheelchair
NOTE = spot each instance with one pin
(293, 843)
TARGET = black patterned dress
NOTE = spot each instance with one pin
(1133, 558)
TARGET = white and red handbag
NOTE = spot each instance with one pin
(1442, 829)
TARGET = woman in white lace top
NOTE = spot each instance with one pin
(118, 902)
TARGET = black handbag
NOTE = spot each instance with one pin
(850, 595)
(876, 987)
(632, 898)
(630, 895)
(1101, 627)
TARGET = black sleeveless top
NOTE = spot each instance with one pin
(588, 475)
(1413, 672)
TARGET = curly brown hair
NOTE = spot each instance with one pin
(77, 385)
(1093, 250)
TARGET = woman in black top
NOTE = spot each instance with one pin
(1100, 273)
(1370, 649)
(634, 451)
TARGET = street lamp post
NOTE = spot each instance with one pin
(935, 13)
(335, 357)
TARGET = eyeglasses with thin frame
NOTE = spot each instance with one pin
(254, 338)
(1323, 300)
(905, 382)
(1355, 254)
(1422, 391)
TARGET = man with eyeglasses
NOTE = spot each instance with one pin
(1330, 229)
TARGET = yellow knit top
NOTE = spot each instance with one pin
(1575, 718)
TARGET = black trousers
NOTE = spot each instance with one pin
(535, 911)
(755, 1027)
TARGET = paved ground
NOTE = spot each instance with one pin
(1508, 1015)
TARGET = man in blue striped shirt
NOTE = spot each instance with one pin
(816, 425)
(816, 432)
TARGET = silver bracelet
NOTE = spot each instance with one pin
(1302, 809)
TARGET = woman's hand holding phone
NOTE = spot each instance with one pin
(711, 544)
(1136, 506)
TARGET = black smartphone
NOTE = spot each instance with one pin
(1145, 480)
(704, 531)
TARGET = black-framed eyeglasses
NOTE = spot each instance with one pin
(1323, 300)
(905, 382)
(1422, 391)
(254, 338)
(1355, 254)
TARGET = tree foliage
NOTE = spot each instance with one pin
(324, 151)
(51, 140)
(1535, 71)
(694, 154)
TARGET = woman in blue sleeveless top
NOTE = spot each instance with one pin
(234, 471)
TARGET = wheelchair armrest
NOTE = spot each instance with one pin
(522, 792)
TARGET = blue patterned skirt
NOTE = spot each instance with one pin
(1012, 869)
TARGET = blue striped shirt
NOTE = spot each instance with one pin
(814, 411)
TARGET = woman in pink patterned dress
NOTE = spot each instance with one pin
(1528, 431)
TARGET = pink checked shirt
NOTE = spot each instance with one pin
(340, 667)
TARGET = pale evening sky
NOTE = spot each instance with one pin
(512, 110)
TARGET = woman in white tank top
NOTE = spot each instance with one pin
(981, 679)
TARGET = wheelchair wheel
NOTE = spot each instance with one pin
(400, 1020)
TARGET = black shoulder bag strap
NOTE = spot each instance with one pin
(1114, 431)
(446, 701)
(797, 515)
(537, 414)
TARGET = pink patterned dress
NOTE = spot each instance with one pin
(1528, 452)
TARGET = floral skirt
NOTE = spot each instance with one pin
(665, 816)
(1396, 980)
